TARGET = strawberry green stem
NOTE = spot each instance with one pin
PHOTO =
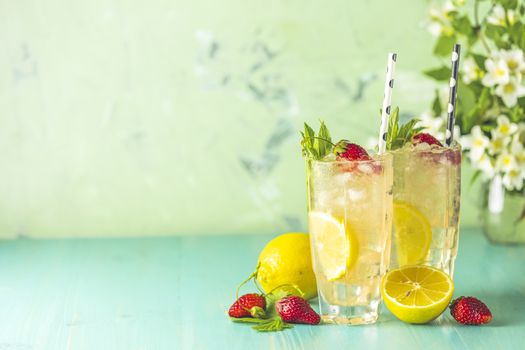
(294, 286)
(257, 285)
(252, 275)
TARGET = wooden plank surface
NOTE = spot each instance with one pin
(172, 293)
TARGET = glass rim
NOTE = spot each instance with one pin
(455, 147)
(377, 159)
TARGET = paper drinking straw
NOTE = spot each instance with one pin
(451, 107)
(387, 98)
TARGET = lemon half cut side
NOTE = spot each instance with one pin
(417, 294)
(413, 234)
(335, 244)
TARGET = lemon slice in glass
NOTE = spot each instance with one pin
(335, 244)
(417, 294)
(413, 234)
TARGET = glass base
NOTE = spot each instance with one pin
(349, 315)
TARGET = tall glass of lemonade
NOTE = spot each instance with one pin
(350, 221)
(426, 205)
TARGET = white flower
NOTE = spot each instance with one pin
(431, 124)
(510, 92)
(513, 180)
(497, 72)
(506, 162)
(517, 149)
(440, 20)
(477, 142)
(497, 144)
(514, 59)
(484, 164)
(471, 71)
(371, 142)
(497, 16)
(504, 128)
(435, 28)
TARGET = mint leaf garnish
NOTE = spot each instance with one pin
(316, 146)
(398, 135)
(273, 325)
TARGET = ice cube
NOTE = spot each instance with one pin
(422, 147)
(365, 168)
(355, 195)
(343, 178)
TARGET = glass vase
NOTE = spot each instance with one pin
(502, 213)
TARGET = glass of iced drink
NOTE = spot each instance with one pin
(350, 221)
(426, 205)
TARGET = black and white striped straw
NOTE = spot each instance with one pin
(453, 92)
(387, 98)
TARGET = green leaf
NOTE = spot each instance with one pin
(316, 147)
(498, 35)
(493, 31)
(393, 125)
(436, 105)
(308, 142)
(484, 99)
(516, 114)
(274, 325)
(480, 60)
(444, 45)
(521, 43)
(248, 320)
(324, 142)
(462, 25)
(472, 107)
(509, 4)
(487, 128)
(439, 74)
(397, 135)
(516, 31)
(474, 177)
(468, 109)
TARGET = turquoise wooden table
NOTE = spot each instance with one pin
(172, 293)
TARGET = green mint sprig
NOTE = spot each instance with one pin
(316, 146)
(399, 135)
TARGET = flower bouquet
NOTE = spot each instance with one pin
(490, 113)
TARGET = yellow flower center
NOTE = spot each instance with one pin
(478, 143)
(514, 174)
(504, 129)
(509, 88)
(512, 63)
(499, 72)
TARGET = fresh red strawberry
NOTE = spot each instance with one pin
(350, 151)
(294, 309)
(248, 305)
(425, 138)
(470, 310)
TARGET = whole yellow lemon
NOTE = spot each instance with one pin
(286, 260)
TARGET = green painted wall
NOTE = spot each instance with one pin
(171, 117)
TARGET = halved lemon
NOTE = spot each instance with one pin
(334, 243)
(413, 234)
(417, 294)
